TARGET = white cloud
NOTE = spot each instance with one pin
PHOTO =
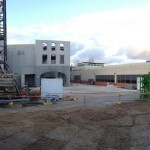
(107, 36)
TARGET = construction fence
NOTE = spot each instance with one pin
(70, 100)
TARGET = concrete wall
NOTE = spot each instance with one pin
(21, 58)
(134, 68)
(26, 59)
(63, 69)
(39, 52)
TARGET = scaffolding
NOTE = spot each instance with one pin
(3, 35)
(9, 90)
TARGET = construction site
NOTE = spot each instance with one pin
(58, 108)
(110, 118)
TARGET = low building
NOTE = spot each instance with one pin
(104, 74)
(44, 59)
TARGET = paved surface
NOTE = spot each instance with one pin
(83, 88)
(89, 95)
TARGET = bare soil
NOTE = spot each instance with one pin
(118, 127)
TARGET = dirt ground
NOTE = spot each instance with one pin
(118, 127)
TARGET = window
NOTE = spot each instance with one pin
(44, 46)
(105, 78)
(126, 78)
(61, 46)
(101, 78)
(61, 59)
(123, 79)
(133, 78)
(53, 59)
(77, 78)
(111, 78)
(53, 46)
(20, 52)
(44, 59)
(118, 78)
(98, 78)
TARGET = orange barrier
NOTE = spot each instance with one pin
(101, 83)
(119, 85)
(83, 82)
(122, 85)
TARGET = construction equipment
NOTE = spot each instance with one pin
(51, 98)
(9, 89)
(90, 82)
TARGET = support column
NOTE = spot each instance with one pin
(115, 77)
(22, 80)
(37, 81)
(67, 78)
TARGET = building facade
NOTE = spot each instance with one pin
(122, 73)
(44, 59)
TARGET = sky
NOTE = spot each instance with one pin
(105, 31)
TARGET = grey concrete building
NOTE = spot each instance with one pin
(44, 59)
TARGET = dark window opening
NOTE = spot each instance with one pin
(123, 79)
(20, 52)
(61, 46)
(133, 78)
(105, 78)
(1, 52)
(118, 78)
(44, 46)
(53, 46)
(44, 59)
(30, 80)
(61, 59)
(77, 78)
(127, 78)
(53, 59)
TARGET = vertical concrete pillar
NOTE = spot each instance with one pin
(56, 74)
(115, 77)
(37, 81)
(67, 78)
(22, 80)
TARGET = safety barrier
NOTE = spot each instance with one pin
(85, 99)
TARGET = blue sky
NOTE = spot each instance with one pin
(105, 30)
(21, 12)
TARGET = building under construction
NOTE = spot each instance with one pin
(26, 64)
(44, 59)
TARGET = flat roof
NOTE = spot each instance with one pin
(91, 63)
